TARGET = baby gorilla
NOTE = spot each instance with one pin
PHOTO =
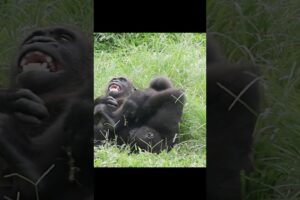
(147, 120)
(117, 91)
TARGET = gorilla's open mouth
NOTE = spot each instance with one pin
(37, 61)
(114, 87)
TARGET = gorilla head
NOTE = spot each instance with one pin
(146, 138)
(46, 116)
(51, 58)
(120, 87)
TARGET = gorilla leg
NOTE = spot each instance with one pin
(158, 121)
(160, 83)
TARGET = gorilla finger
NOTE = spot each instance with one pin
(25, 93)
(31, 107)
(98, 109)
(27, 118)
(112, 103)
(112, 106)
(110, 98)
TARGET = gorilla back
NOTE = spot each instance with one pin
(230, 128)
(47, 118)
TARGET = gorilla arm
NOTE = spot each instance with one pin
(68, 134)
(146, 106)
(157, 121)
(23, 104)
(142, 104)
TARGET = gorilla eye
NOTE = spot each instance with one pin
(34, 34)
(149, 135)
(123, 79)
(64, 37)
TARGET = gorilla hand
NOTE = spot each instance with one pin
(28, 107)
(111, 102)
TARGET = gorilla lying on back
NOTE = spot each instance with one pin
(146, 119)
(119, 89)
(46, 119)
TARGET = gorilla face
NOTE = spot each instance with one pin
(120, 87)
(146, 138)
(47, 59)
(46, 116)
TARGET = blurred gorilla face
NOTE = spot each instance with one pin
(120, 87)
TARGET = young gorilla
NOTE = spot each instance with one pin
(230, 128)
(117, 92)
(146, 119)
(46, 118)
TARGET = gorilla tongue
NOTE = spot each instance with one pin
(37, 61)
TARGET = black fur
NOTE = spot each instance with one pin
(47, 117)
(146, 119)
(229, 128)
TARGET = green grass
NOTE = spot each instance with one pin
(267, 34)
(141, 57)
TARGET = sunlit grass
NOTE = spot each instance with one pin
(141, 57)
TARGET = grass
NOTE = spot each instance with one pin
(141, 57)
(267, 34)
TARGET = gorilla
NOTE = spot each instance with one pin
(46, 118)
(117, 92)
(146, 119)
(232, 107)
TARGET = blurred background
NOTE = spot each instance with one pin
(266, 34)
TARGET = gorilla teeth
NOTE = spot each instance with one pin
(36, 67)
(49, 59)
(36, 57)
(114, 87)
